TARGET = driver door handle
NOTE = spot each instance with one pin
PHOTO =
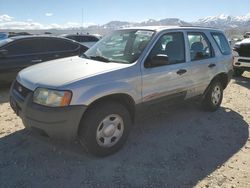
(181, 71)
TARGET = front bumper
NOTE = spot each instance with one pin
(242, 63)
(57, 122)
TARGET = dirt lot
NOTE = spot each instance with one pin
(182, 146)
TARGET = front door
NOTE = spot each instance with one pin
(168, 80)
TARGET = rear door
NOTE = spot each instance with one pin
(202, 61)
(170, 81)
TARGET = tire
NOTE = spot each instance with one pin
(213, 96)
(105, 128)
(238, 72)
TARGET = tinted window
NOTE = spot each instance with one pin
(81, 38)
(54, 44)
(72, 37)
(222, 43)
(93, 39)
(200, 47)
(24, 46)
(172, 45)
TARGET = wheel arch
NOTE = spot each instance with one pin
(121, 98)
(221, 77)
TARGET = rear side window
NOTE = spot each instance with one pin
(88, 39)
(55, 45)
(200, 47)
(93, 39)
(222, 43)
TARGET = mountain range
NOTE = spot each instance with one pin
(220, 21)
(225, 22)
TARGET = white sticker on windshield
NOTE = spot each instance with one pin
(144, 32)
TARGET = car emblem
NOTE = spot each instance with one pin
(20, 89)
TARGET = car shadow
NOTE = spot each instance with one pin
(243, 81)
(168, 147)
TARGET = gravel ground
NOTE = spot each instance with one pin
(181, 146)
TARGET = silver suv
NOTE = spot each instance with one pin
(94, 97)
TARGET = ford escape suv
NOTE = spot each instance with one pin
(94, 97)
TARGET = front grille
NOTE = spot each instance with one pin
(244, 50)
(23, 91)
(244, 60)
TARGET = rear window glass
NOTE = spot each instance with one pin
(222, 43)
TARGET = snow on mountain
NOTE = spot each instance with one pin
(225, 21)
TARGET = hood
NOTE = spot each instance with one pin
(60, 72)
(245, 41)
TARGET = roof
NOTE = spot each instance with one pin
(32, 36)
(11, 39)
(161, 28)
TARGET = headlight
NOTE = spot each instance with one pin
(53, 98)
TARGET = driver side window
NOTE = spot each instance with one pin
(172, 45)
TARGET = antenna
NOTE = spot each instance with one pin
(82, 21)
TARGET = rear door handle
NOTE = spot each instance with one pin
(211, 65)
(56, 55)
(181, 71)
(36, 61)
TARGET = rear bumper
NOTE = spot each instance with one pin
(60, 123)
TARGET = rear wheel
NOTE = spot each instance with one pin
(105, 128)
(238, 72)
(213, 96)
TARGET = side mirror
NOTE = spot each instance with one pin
(3, 53)
(157, 60)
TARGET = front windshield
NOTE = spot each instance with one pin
(124, 46)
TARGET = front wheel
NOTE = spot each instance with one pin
(105, 128)
(213, 97)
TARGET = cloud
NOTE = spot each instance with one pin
(7, 22)
(5, 18)
(48, 14)
(21, 25)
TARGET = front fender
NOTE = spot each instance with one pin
(96, 92)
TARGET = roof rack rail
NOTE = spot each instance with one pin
(199, 26)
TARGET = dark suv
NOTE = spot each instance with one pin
(241, 57)
(19, 52)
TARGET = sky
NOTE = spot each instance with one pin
(75, 12)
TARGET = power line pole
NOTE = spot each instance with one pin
(82, 20)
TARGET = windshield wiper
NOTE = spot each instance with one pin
(100, 58)
(85, 56)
